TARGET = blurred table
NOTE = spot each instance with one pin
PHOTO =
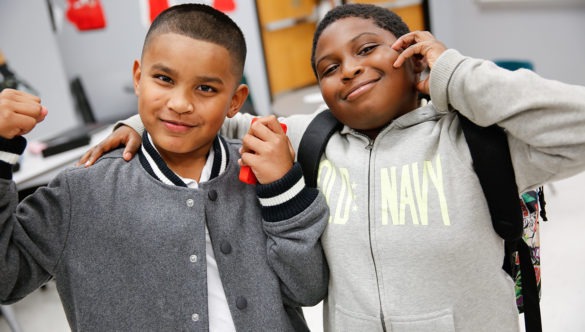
(37, 170)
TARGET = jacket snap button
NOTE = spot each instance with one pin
(225, 247)
(212, 195)
(241, 303)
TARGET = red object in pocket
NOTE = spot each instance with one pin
(86, 14)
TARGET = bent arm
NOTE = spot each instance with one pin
(238, 126)
(235, 127)
(294, 221)
(544, 119)
(30, 234)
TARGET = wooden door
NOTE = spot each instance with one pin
(287, 28)
(411, 11)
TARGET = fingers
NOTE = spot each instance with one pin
(17, 124)
(265, 127)
(291, 150)
(20, 96)
(92, 155)
(261, 127)
(132, 146)
(411, 38)
(19, 112)
(267, 150)
(123, 135)
(418, 43)
(43, 115)
(263, 130)
(274, 126)
(251, 144)
(85, 158)
(424, 86)
(23, 103)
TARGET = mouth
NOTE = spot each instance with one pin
(176, 126)
(359, 89)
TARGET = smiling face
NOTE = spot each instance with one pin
(185, 87)
(354, 66)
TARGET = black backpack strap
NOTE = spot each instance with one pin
(313, 144)
(530, 293)
(542, 203)
(493, 165)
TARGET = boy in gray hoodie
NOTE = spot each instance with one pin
(410, 242)
(171, 241)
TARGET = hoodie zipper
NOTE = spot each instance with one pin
(370, 147)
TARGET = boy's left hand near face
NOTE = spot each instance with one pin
(267, 150)
(19, 112)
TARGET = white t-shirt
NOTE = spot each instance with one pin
(220, 318)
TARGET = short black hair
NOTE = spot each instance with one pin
(205, 23)
(382, 17)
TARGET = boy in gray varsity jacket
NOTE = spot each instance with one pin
(171, 241)
(410, 243)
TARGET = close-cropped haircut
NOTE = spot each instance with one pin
(204, 23)
(382, 17)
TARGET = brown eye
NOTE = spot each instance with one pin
(330, 69)
(206, 88)
(163, 78)
(367, 49)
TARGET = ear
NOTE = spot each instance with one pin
(136, 73)
(418, 64)
(238, 100)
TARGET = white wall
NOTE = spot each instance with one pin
(27, 41)
(102, 58)
(548, 33)
(245, 17)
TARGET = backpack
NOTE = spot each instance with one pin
(514, 218)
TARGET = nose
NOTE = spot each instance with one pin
(180, 103)
(351, 69)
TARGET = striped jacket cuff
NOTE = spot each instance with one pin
(287, 197)
(10, 151)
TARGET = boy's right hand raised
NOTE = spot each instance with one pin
(19, 113)
(419, 45)
(123, 135)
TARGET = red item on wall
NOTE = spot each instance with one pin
(225, 6)
(86, 14)
(156, 7)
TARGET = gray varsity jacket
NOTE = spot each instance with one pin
(128, 251)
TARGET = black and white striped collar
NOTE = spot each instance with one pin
(158, 169)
